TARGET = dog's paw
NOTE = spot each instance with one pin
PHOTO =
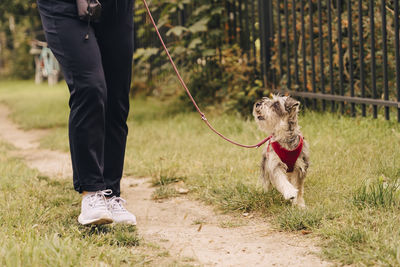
(299, 203)
(290, 193)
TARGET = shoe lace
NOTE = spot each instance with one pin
(98, 200)
(116, 204)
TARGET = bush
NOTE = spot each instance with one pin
(226, 79)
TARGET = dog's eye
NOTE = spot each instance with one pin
(258, 104)
(277, 108)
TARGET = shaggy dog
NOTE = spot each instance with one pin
(285, 159)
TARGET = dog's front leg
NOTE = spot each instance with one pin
(264, 175)
(296, 178)
(279, 179)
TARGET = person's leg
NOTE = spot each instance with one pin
(115, 38)
(80, 60)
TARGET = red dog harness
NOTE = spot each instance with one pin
(289, 157)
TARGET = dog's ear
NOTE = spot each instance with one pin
(291, 105)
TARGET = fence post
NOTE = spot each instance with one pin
(397, 53)
(266, 35)
(135, 30)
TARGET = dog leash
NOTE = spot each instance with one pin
(203, 116)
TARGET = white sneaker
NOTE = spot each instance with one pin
(94, 208)
(118, 211)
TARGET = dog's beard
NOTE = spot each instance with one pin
(269, 120)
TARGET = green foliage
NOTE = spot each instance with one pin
(211, 32)
(226, 79)
(23, 65)
(219, 71)
(202, 35)
(19, 24)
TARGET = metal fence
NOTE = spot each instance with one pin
(335, 54)
(340, 53)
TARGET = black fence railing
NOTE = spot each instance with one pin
(342, 53)
(335, 54)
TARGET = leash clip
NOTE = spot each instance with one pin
(203, 117)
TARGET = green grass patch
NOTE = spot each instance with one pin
(245, 198)
(164, 192)
(164, 177)
(166, 180)
(38, 224)
(357, 219)
(379, 193)
(36, 106)
(295, 219)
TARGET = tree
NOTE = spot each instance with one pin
(19, 24)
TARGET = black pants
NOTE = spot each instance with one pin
(98, 74)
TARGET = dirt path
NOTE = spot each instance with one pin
(188, 229)
(48, 162)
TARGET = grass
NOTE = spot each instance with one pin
(34, 101)
(294, 219)
(232, 224)
(350, 190)
(38, 218)
(164, 192)
(165, 178)
(379, 193)
(38, 225)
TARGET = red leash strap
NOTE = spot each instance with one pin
(203, 116)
